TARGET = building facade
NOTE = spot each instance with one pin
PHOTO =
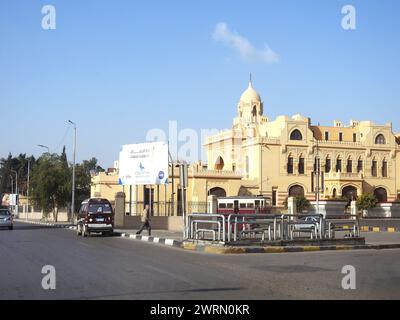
(278, 158)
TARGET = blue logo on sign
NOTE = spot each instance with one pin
(161, 175)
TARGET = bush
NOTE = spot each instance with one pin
(367, 201)
(302, 204)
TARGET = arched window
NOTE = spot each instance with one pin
(339, 164)
(334, 194)
(296, 191)
(296, 135)
(360, 165)
(384, 168)
(328, 165)
(374, 168)
(380, 139)
(301, 165)
(219, 164)
(254, 111)
(349, 167)
(218, 192)
(381, 194)
(350, 193)
(290, 165)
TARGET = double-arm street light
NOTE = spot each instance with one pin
(45, 147)
(73, 173)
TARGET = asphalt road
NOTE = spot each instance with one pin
(116, 268)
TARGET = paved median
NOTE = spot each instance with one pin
(252, 250)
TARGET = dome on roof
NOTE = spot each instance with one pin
(250, 95)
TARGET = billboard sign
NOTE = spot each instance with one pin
(144, 164)
(13, 200)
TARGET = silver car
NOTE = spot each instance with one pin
(6, 219)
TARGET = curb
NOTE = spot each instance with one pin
(244, 250)
(157, 240)
(47, 224)
(379, 229)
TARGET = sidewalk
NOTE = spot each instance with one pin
(173, 239)
(380, 238)
(155, 233)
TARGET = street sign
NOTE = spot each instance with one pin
(13, 199)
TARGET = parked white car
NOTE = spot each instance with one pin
(306, 223)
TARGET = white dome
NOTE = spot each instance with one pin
(250, 95)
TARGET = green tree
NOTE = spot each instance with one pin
(84, 172)
(51, 184)
(367, 201)
(18, 164)
(302, 204)
(64, 158)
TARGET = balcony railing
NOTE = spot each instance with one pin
(340, 143)
(344, 175)
(217, 173)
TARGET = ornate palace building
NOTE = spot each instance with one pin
(277, 158)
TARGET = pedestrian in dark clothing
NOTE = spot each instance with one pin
(145, 220)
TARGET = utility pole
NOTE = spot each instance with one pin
(173, 183)
(73, 174)
(318, 174)
(183, 174)
(16, 191)
(12, 184)
(27, 187)
(261, 167)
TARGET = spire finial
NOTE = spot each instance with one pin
(251, 79)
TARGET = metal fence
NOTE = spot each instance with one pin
(268, 227)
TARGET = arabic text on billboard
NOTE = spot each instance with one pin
(144, 164)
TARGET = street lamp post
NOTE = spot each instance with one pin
(16, 191)
(73, 174)
(45, 147)
(12, 184)
(27, 187)
(318, 175)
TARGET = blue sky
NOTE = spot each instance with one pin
(119, 68)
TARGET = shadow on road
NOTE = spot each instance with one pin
(292, 269)
(32, 227)
(129, 294)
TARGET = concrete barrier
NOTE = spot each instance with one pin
(38, 216)
(328, 208)
(174, 224)
(385, 210)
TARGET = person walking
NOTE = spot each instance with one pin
(145, 220)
